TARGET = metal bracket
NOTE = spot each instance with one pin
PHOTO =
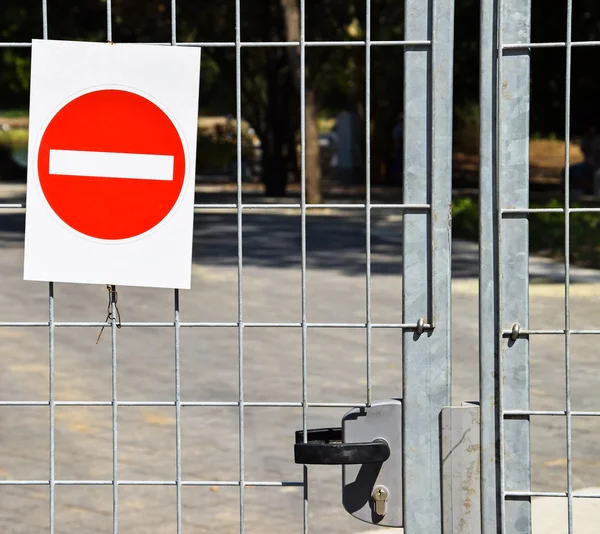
(363, 486)
(461, 469)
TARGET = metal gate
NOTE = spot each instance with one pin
(506, 333)
(441, 488)
(425, 327)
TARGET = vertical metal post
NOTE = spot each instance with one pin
(303, 252)
(45, 19)
(568, 407)
(513, 184)
(177, 321)
(115, 452)
(51, 354)
(51, 400)
(109, 32)
(488, 270)
(178, 474)
(240, 252)
(173, 22)
(426, 262)
(368, 198)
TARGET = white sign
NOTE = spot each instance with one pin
(111, 163)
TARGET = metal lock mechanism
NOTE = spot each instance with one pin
(368, 446)
(380, 497)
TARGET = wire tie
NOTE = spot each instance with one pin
(113, 297)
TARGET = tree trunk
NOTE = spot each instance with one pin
(274, 175)
(313, 157)
(291, 14)
(274, 165)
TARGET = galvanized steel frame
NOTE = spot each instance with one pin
(504, 265)
(428, 49)
(426, 269)
(504, 277)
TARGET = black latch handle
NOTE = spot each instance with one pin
(325, 447)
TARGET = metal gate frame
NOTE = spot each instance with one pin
(504, 271)
(427, 256)
(504, 265)
(428, 50)
(504, 251)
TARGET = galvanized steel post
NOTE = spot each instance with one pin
(513, 234)
(426, 271)
(504, 264)
(489, 327)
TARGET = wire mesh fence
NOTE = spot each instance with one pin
(217, 408)
(427, 308)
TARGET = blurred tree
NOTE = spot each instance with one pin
(270, 76)
(268, 90)
(334, 76)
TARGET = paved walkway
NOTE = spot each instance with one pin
(272, 372)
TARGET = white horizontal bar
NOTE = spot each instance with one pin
(111, 165)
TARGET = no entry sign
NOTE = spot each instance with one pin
(111, 164)
(111, 167)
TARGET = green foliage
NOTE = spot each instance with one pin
(212, 156)
(546, 230)
(547, 234)
(215, 153)
(465, 218)
(17, 79)
(14, 113)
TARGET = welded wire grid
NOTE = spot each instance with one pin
(514, 332)
(177, 324)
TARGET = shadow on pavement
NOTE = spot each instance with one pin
(336, 242)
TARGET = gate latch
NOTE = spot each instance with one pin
(368, 446)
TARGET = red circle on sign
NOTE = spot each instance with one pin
(113, 205)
